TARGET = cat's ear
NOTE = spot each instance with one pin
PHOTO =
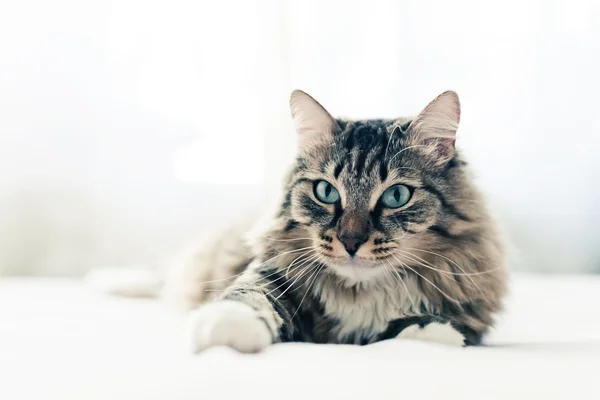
(435, 127)
(315, 126)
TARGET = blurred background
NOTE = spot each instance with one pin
(130, 127)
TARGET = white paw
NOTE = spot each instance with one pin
(228, 323)
(434, 332)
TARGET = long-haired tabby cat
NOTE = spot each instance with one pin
(380, 234)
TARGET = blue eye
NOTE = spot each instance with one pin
(325, 192)
(396, 196)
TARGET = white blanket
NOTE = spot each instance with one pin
(59, 340)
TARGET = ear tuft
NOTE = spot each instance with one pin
(315, 126)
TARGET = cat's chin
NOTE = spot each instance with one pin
(354, 271)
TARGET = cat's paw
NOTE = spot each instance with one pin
(433, 332)
(228, 323)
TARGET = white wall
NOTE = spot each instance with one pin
(115, 115)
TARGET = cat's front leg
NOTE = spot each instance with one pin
(244, 319)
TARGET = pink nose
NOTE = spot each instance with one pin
(352, 241)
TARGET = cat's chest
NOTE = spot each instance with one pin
(358, 316)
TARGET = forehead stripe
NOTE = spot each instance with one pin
(338, 169)
(359, 164)
(376, 159)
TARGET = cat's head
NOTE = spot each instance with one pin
(367, 193)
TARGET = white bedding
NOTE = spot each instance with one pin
(59, 340)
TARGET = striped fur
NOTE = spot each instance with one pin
(437, 260)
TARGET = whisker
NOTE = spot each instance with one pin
(259, 265)
(318, 263)
(455, 264)
(246, 284)
(288, 268)
(387, 272)
(308, 289)
(311, 259)
(442, 272)
(288, 252)
(302, 263)
(423, 263)
(386, 269)
(427, 280)
(453, 274)
(223, 279)
(402, 281)
(309, 248)
(300, 275)
(286, 281)
(428, 265)
(302, 272)
(285, 240)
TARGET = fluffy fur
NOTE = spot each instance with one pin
(432, 269)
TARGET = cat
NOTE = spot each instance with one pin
(379, 234)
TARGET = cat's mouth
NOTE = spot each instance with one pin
(355, 269)
(356, 262)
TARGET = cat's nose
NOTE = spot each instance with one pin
(352, 241)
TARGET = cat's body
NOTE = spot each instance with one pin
(380, 234)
